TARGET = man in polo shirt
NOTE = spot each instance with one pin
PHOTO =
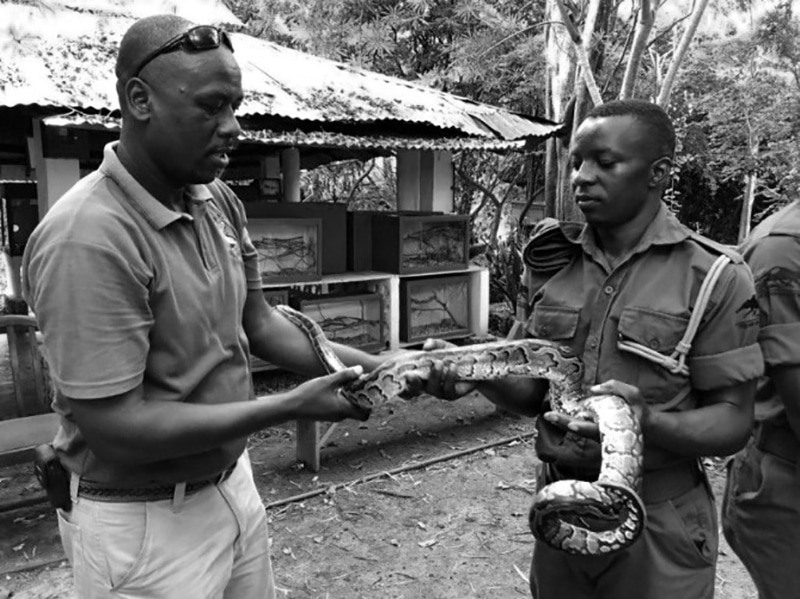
(761, 509)
(147, 291)
(629, 279)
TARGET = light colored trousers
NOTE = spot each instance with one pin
(212, 544)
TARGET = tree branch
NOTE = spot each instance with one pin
(581, 51)
(488, 194)
(359, 181)
(647, 17)
(677, 58)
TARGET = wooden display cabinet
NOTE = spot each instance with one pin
(414, 243)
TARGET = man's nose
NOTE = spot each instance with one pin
(583, 175)
(229, 124)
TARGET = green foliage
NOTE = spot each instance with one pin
(448, 44)
(737, 120)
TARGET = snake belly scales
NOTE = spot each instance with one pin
(578, 517)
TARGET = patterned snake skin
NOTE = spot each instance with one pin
(586, 518)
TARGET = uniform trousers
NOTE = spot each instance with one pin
(674, 558)
(761, 520)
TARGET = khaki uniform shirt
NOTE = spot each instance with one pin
(773, 252)
(128, 292)
(647, 299)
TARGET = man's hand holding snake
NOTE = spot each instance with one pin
(442, 381)
(584, 424)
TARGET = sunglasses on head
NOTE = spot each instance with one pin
(197, 39)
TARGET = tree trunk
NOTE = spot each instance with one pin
(677, 58)
(747, 206)
(647, 17)
(560, 61)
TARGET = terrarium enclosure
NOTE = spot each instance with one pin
(334, 226)
(353, 320)
(434, 307)
(289, 249)
(415, 243)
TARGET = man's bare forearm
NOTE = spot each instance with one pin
(714, 430)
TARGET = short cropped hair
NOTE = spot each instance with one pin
(652, 116)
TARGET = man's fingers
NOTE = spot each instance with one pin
(584, 429)
(415, 384)
(433, 343)
(346, 375)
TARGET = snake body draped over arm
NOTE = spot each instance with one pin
(579, 517)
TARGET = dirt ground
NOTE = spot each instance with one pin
(452, 525)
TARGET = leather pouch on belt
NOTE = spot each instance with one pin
(566, 449)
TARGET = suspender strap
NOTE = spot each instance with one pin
(676, 362)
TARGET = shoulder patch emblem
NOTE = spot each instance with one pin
(750, 314)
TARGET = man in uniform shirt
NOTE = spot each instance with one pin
(620, 292)
(761, 509)
(147, 290)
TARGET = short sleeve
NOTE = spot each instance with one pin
(250, 258)
(92, 307)
(775, 262)
(725, 350)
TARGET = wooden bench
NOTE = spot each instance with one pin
(26, 392)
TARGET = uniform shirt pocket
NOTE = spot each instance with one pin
(659, 332)
(556, 323)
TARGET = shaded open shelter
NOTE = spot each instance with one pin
(58, 109)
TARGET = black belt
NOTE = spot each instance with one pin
(104, 492)
(671, 481)
(777, 440)
(657, 485)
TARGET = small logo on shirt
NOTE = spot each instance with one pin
(227, 231)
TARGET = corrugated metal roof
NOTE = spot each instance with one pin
(61, 53)
(316, 139)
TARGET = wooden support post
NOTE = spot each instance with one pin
(54, 176)
(408, 173)
(290, 167)
(436, 181)
(394, 312)
(308, 444)
(479, 301)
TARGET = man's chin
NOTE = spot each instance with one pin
(206, 177)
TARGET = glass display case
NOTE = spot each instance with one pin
(288, 248)
(434, 307)
(414, 243)
(353, 320)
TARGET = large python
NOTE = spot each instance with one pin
(579, 517)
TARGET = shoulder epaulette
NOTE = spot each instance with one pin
(552, 245)
(717, 248)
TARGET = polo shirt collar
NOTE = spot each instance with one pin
(153, 211)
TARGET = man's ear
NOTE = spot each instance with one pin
(660, 171)
(137, 98)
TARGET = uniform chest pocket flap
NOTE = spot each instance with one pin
(658, 331)
(553, 322)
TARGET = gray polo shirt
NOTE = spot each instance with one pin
(128, 292)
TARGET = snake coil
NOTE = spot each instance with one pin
(578, 517)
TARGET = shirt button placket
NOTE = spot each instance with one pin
(592, 351)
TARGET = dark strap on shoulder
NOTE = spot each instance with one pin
(549, 249)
